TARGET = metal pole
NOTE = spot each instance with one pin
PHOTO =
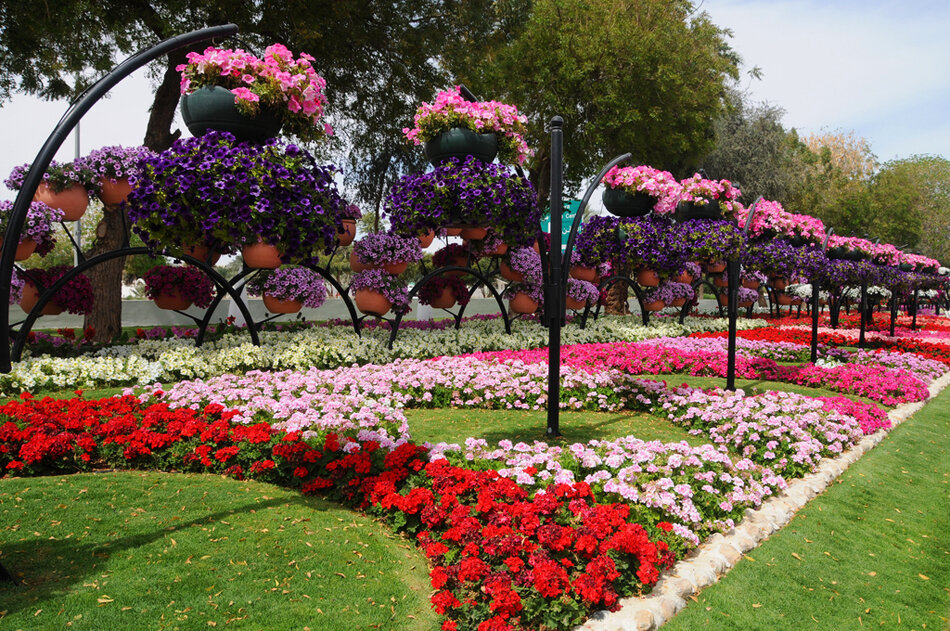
(55, 140)
(77, 229)
(554, 305)
(815, 306)
(732, 304)
(863, 308)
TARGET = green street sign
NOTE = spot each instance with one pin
(571, 207)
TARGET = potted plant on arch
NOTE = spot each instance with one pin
(65, 187)
(580, 293)
(469, 193)
(442, 292)
(635, 191)
(376, 291)
(75, 296)
(211, 191)
(387, 251)
(288, 289)
(524, 297)
(346, 232)
(701, 198)
(453, 127)
(37, 233)
(234, 91)
(177, 287)
(113, 166)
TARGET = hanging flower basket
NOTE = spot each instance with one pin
(716, 267)
(521, 302)
(172, 300)
(648, 278)
(213, 107)
(276, 305)
(261, 255)
(371, 302)
(509, 274)
(73, 201)
(177, 287)
(584, 273)
(202, 253)
(31, 296)
(460, 143)
(349, 232)
(623, 204)
(656, 305)
(426, 239)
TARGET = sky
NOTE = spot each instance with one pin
(876, 68)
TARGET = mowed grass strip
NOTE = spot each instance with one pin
(873, 551)
(134, 550)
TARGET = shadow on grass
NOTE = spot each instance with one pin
(45, 568)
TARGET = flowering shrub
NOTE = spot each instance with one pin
(452, 110)
(190, 282)
(75, 296)
(278, 84)
(38, 224)
(290, 283)
(380, 248)
(699, 191)
(384, 283)
(214, 191)
(58, 176)
(645, 179)
(435, 286)
(116, 162)
(469, 193)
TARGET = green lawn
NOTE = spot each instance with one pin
(171, 551)
(873, 551)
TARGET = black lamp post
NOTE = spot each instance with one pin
(558, 264)
(732, 304)
(814, 305)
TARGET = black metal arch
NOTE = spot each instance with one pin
(65, 125)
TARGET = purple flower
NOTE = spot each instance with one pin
(38, 224)
(385, 283)
(384, 248)
(191, 282)
(290, 283)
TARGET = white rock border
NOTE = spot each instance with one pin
(719, 553)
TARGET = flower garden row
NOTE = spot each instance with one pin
(518, 535)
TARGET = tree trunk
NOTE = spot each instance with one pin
(617, 295)
(106, 278)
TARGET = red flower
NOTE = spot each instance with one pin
(549, 578)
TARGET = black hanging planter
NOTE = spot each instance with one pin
(622, 203)
(460, 143)
(212, 107)
(709, 210)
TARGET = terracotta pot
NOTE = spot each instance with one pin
(751, 284)
(202, 252)
(474, 233)
(114, 192)
(372, 302)
(499, 251)
(574, 305)
(31, 296)
(723, 299)
(172, 300)
(656, 305)
(678, 302)
(523, 303)
(716, 267)
(349, 232)
(261, 255)
(24, 249)
(746, 304)
(73, 201)
(445, 301)
(778, 282)
(426, 239)
(584, 273)
(453, 232)
(510, 274)
(648, 278)
(395, 268)
(683, 278)
(276, 305)
(355, 264)
(719, 281)
(783, 299)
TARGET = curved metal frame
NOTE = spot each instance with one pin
(46, 153)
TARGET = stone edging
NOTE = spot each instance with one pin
(716, 556)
